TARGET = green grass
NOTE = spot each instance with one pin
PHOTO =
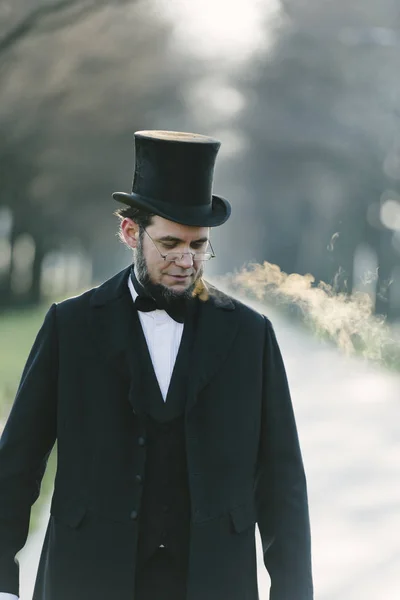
(17, 334)
(18, 330)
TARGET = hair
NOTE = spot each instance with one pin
(140, 216)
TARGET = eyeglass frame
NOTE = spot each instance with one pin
(192, 254)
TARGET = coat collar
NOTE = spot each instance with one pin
(216, 330)
(112, 322)
(112, 289)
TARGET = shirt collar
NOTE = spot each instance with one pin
(132, 290)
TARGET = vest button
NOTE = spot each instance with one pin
(139, 478)
(134, 514)
(141, 441)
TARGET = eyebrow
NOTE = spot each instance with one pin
(171, 238)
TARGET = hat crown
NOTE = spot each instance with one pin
(173, 178)
(175, 136)
(174, 167)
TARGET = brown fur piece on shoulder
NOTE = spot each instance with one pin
(201, 290)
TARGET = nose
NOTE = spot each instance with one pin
(185, 261)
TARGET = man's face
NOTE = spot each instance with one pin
(175, 278)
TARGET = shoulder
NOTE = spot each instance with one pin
(109, 290)
(242, 310)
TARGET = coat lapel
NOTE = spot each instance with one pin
(215, 332)
(114, 329)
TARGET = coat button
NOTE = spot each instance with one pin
(139, 478)
(134, 514)
(141, 441)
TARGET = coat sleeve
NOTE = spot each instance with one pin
(25, 445)
(281, 491)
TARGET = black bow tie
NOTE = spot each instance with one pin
(146, 303)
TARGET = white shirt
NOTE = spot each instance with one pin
(163, 336)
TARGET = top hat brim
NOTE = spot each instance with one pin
(204, 215)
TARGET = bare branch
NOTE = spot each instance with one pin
(35, 19)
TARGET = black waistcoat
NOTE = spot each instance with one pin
(165, 506)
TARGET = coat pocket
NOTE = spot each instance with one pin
(68, 515)
(243, 517)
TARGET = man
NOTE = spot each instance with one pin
(170, 406)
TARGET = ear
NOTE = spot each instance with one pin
(130, 232)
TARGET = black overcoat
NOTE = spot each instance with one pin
(82, 387)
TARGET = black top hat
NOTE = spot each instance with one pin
(173, 178)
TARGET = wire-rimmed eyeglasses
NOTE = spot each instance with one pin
(177, 256)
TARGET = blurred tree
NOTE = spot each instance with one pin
(320, 127)
(95, 71)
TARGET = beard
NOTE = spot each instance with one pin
(157, 290)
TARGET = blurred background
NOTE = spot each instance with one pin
(304, 96)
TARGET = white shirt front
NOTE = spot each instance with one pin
(163, 336)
